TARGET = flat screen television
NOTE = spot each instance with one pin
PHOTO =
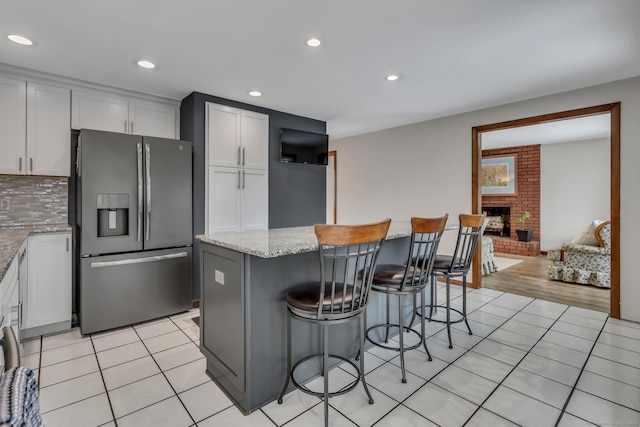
(298, 146)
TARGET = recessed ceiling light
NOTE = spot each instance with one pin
(255, 93)
(146, 64)
(392, 77)
(313, 42)
(20, 40)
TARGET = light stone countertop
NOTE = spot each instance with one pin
(11, 239)
(283, 241)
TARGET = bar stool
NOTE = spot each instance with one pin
(409, 279)
(348, 256)
(456, 265)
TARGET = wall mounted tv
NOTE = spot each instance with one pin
(298, 146)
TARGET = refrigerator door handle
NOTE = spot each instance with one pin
(147, 151)
(138, 260)
(140, 194)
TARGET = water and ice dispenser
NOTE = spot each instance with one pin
(113, 215)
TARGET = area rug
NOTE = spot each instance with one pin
(504, 263)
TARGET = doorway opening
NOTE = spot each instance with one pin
(614, 113)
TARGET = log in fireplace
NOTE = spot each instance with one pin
(498, 220)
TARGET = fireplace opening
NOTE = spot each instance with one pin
(498, 220)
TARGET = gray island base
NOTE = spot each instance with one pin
(244, 278)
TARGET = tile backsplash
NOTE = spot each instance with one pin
(27, 200)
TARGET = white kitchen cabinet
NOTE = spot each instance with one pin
(237, 138)
(238, 199)
(104, 111)
(237, 145)
(35, 137)
(13, 104)
(9, 292)
(45, 295)
(48, 130)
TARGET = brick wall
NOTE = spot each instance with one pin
(527, 197)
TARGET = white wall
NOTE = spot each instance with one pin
(574, 188)
(425, 168)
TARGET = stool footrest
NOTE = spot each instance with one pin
(396, 348)
(343, 390)
(430, 319)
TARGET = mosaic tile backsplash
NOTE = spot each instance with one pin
(32, 200)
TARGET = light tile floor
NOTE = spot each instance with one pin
(529, 362)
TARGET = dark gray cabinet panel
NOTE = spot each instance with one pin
(223, 332)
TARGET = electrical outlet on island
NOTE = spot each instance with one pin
(5, 204)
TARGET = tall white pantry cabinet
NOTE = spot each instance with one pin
(237, 145)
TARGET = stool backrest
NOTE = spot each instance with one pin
(425, 237)
(348, 257)
(471, 227)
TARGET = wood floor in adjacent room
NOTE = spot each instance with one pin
(529, 278)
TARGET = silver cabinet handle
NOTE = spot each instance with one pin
(126, 125)
(67, 244)
(239, 180)
(147, 152)
(20, 164)
(132, 127)
(138, 260)
(244, 179)
(31, 164)
(20, 314)
(243, 156)
(238, 157)
(140, 189)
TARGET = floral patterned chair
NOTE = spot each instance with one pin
(488, 262)
(584, 263)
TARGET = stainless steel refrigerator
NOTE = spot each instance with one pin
(133, 199)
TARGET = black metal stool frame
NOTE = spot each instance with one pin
(412, 279)
(456, 265)
(340, 296)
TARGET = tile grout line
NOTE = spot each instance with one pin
(104, 384)
(580, 375)
(515, 366)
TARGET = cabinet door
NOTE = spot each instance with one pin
(13, 115)
(48, 298)
(224, 199)
(9, 291)
(254, 140)
(98, 111)
(254, 200)
(153, 119)
(48, 130)
(223, 135)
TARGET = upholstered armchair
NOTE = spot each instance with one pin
(584, 263)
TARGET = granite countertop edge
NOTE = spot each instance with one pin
(12, 238)
(279, 242)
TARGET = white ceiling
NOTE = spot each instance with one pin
(579, 129)
(452, 56)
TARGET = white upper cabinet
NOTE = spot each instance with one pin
(48, 130)
(237, 138)
(101, 111)
(13, 104)
(35, 136)
(153, 119)
(254, 140)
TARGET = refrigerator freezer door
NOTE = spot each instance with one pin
(109, 178)
(168, 193)
(118, 290)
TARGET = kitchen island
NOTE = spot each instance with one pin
(244, 278)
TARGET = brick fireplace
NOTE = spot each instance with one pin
(509, 206)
